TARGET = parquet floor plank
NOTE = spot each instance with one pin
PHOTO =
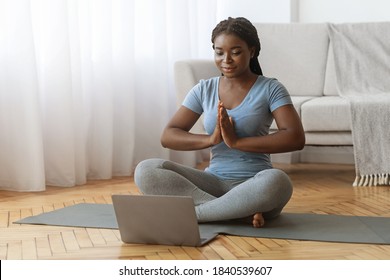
(259, 247)
(269, 243)
(241, 243)
(56, 243)
(96, 236)
(82, 238)
(3, 251)
(109, 236)
(219, 247)
(13, 215)
(209, 252)
(153, 257)
(194, 253)
(29, 249)
(14, 250)
(43, 247)
(26, 212)
(36, 210)
(70, 241)
(234, 248)
(318, 188)
(4, 219)
(179, 253)
(48, 208)
(167, 255)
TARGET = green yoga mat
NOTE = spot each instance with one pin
(295, 226)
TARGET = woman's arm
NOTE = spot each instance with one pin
(289, 137)
(176, 134)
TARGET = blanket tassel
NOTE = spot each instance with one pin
(372, 180)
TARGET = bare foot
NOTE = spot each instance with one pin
(258, 220)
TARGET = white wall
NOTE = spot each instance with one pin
(258, 10)
(343, 10)
(305, 10)
(284, 11)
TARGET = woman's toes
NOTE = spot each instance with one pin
(258, 220)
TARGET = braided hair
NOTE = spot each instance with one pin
(244, 29)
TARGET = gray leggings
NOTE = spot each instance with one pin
(215, 199)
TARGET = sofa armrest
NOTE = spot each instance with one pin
(188, 73)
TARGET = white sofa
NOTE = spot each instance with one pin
(298, 55)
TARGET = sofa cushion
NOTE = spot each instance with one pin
(334, 138)
(327, 113)
(297, 102)
(189, 72)
(295, 54)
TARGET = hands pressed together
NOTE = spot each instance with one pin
(224, 129)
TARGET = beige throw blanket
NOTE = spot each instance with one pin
(362, 64)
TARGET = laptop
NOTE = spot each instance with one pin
(157, 219)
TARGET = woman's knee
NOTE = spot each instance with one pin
(278, 191)
(277, 182)
(275, 177)
(145, 173)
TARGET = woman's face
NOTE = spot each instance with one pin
(232, 55)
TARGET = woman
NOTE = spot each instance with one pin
(238, 107)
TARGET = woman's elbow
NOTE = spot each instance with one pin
(164, 140)
(300, 141)
(163, 143)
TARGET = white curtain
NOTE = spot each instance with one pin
(86, 87)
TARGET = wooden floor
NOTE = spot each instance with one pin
(319, 188)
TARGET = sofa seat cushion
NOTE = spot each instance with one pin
(297, 102)
(330, 138)
(327, 113)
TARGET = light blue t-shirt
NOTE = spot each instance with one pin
(252, 117)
